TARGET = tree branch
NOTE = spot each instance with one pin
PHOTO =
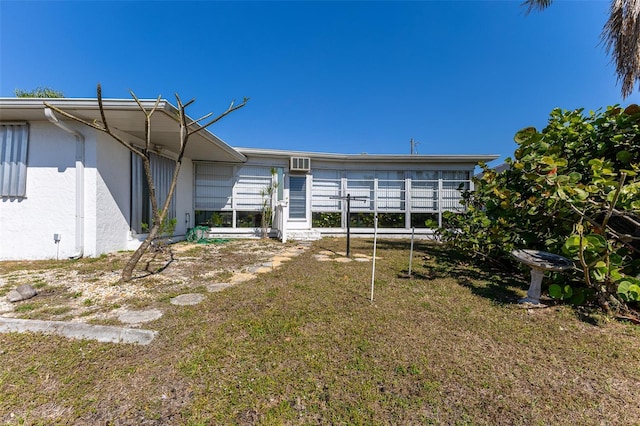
(94, 125)
(102, 113)
(623, 177)
(200, 119)
(585, 267)
(221, 116)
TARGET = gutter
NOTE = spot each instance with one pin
(48, 112)
(371, 158)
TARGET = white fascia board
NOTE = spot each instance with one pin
(375, 158)
(76, 103)
(12, 108)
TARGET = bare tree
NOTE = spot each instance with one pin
(620, 36)
(188, 128)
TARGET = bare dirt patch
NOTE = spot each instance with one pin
(91, 290)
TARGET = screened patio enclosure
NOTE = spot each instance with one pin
(401, 199)
(404, 191)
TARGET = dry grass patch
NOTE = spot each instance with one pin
(303, 345)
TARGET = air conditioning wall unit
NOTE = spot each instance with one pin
(299, 164)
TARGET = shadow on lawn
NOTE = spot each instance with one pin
(432, 260)
(502, 285)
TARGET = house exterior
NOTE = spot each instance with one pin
(70, 191)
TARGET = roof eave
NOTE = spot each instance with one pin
(372, 158)
(80, 104)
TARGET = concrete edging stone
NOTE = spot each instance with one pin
(74, 330)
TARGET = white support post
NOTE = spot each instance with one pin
(408, 202)
(375, 196)
(375, 245)
(440, 200)
(413, 231)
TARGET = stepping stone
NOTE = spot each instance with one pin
(262, 267)
(187, 299)
(138, 317)
(327, 253)
(213, 288)
(276, 264)
(362, 259)
(343, 260)
(241, 277)
(321, 258)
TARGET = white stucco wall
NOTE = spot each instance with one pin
(27, 225)
(107, 222)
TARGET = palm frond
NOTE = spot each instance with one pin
(621, 38)
(536, 5)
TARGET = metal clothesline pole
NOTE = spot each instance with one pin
(348, 225)
(349, 198)
(413, 230)
(375, 245)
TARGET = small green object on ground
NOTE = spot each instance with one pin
(197, 235)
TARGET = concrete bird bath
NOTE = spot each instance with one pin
(539, 262)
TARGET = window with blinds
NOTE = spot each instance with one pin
(14, 139)
(454, 183)
(390, 195)
(361, 186)
(213, 187)
(297, 197)
(162, 169)
(424, 191)
(326, 190)
(251, 183)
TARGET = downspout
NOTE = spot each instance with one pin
(48, 112)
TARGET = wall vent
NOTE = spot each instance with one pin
(299, 164)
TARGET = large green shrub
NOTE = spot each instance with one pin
(571, 189)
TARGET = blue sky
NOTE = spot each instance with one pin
(346, 77)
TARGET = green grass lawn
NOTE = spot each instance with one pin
(304, 345)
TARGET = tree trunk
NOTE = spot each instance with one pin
(127, 271)
(185, 123)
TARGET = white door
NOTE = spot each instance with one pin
(299, 217)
